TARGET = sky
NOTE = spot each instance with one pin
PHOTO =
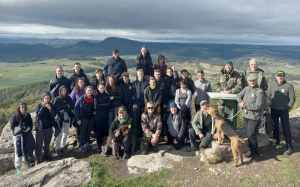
(220, 21)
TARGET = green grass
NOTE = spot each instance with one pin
(247, 181)
(290, 172)
(103, 176)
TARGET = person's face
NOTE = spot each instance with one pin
(157, 75)
(228, 67)
(152, 82)
(280, 79)
(111, 81)
(122, 115)
(204, 106)
(115, 55)
(77, 69)
(140, 75)
(81, 84)
(150, 108)
(182, 85)
(144, 51)
(59, 72)
(184, 75)
(99, 74)
(253, 65)
(46, 99)
(126, 79)
(101, 88)
(22, 109)
(173, 110)
(169, 73)
(89, 91)
(200, 76)
(63, 92)
(252, 83)
(161, 60)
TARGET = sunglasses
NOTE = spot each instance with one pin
(150, 108)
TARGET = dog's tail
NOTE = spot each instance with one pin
(243, 140)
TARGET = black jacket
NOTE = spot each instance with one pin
(145, 63)
(55, 84)
(170, 87)
(114, 67)
(102, 105)
(73, 78)
(182, 126)
(127, 91)
(95, 82)
(190, 84)
(138, 91)
(118, 96)
(153, 95)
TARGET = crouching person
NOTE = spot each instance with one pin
(203, 126)
(174, 127)
(21, 126)
(64, 106)
(120, 134)
(45, 120)
(151, 126)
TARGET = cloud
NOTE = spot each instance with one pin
(272, 20)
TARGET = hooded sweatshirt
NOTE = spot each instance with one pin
(73, 78)
(145, 63)
(63, 105)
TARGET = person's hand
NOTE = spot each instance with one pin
(173, 68)
(43, 104)
(48, 106)
(267, 111)
(166, 138)
(62, 111)
(117, 133)
(175, 142)
(111, 97)
(113, 141)
(27, 129)
(135, 106)
(201, 136)
(216, 136)
(241, 104)
(164, 106)
(225, 92)
(79, 122)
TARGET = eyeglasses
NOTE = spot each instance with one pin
(150, 108)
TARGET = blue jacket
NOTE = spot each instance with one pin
(80, 107)
(114, 67)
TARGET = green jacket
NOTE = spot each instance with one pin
(116, 124)
(261, 79)
(197, 123)
(282, 95)
(231, 81)
(254, 100)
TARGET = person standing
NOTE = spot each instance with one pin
(170, 86)
(189, 81)
(97, 79)
(153, 93)
(58, 81)
(161, 65)
(202, 86)
(45, 120)
(144, 62)
(127, 91)
(282, 97)
(78, 73)
(251, 100)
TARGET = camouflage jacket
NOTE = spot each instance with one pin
(231, 82)
(261, 79)
(151, 125)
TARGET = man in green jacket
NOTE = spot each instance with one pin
(282, 97)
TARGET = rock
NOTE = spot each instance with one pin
(7, 162)
(67, 172)
(295, 122)
(165, 158)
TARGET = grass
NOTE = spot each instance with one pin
(290, 172)
(247, 181)
(103, 176)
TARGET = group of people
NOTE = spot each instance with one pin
(155, 107)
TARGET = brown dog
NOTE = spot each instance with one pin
(223, 127)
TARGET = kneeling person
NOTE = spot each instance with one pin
(151, 125)
(203, 125)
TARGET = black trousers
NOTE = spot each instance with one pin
(101, 130)
(284, 118)
(177, 146)
(137, 115)
(85, 131)
(43, 137)
(251, 127)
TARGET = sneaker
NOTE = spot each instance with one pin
(254, 159)
(189, 149)
(88, 147)
(289, 151)
(99, 148)
(65, 150)
(248, 154)
(125, 156)
(275, 143)
(144, 153)
(37, 161)
(48, 157)
(83, 149)
(18, 170)
(154, 149)
(59, 153)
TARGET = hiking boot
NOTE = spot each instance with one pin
(99, 148)
(125, 156)
(144, 153)
(189, 149)
(254, 159)
(275, 143)
(31, 159)
(48, 157)
(248, 154)
(59, 153)
(154, 149)
(18, 170)
(88, 147)
(65, 150)
(289, 151)
(78, 142)
(37, 161)
(83, 149)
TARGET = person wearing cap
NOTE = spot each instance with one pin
(282, 97)
(202, 86)
(251, 100)
(118, 139)
(174, 127)
(228, 81)
(253, 68)
(203, 126)
(151, 125)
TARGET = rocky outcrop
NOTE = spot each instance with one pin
(67, 172)
(295, 122)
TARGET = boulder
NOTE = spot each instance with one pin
(6, 162)
(67, 172)
(295, 122)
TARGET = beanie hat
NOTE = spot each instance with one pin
(228, 62)
(173, 105)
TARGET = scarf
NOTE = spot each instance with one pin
(123, 120)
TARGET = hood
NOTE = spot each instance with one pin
(46, 93)
(224, 72)
(61, 89)
(80, 72)
(147, 53)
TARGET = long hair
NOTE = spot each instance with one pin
(108, 86)
(163, 57)
(19, 115)
(77, 88)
